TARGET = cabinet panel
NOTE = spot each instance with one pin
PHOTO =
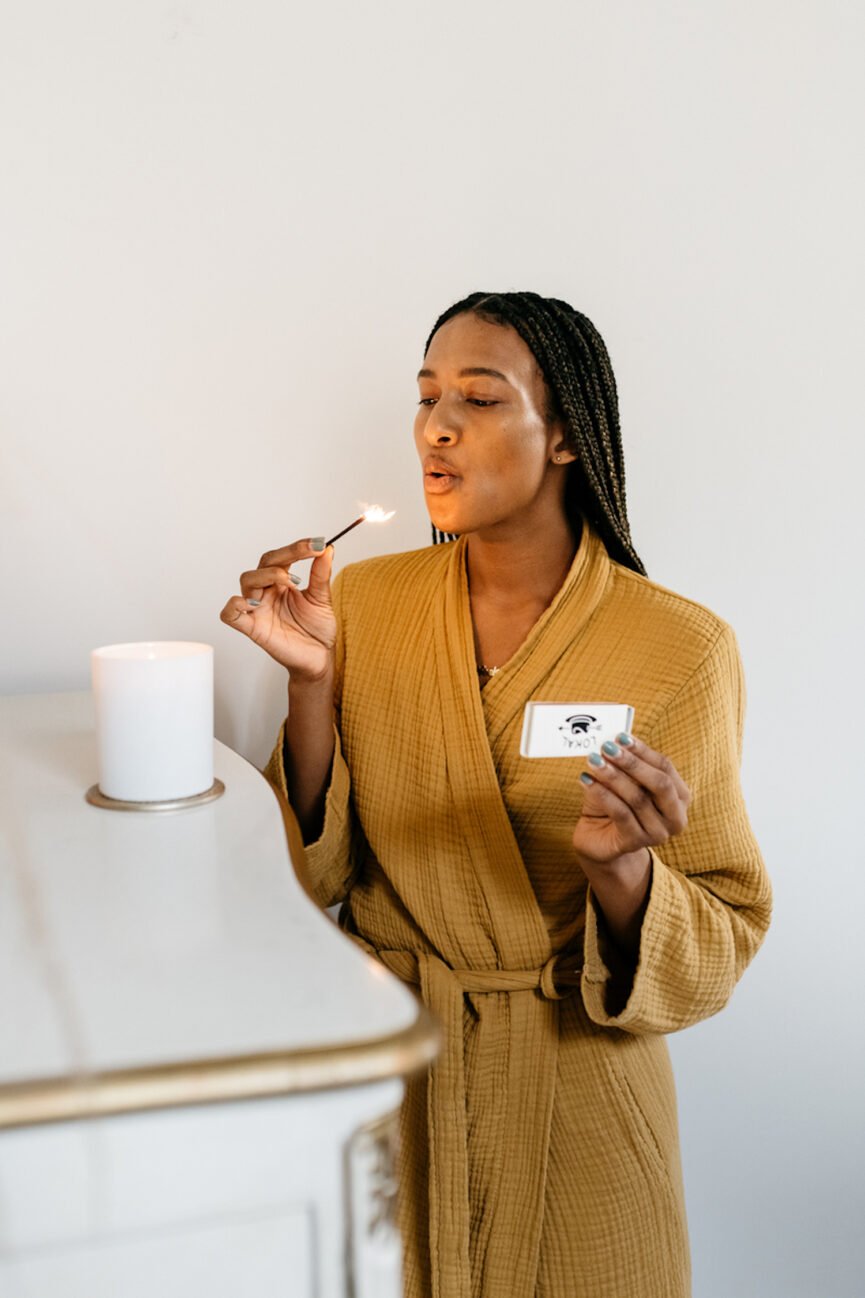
(374, 1251)
(269, 1257)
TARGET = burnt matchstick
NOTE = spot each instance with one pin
(357, 522)
(375, 514)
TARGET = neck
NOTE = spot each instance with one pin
(513, 569)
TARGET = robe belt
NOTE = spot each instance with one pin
(442, 989)
(405, 964)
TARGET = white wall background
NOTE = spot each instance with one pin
(226, 229)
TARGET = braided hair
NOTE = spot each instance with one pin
(576, 367)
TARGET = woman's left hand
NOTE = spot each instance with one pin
(635, 800)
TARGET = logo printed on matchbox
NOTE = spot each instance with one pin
(581, 731)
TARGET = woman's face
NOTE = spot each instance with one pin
(481, 431)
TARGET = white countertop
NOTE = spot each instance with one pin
(131, 939)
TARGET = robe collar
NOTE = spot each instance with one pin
(552, 636)
(473, 718)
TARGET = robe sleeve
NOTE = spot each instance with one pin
(710, 899)
(331, 859)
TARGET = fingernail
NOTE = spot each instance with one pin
(595, 759)
(611, 749)
(254, 603)
(316, 543)
(294, 579)
(625, 738)
(586, 778)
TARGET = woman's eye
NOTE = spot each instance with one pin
(472, 401)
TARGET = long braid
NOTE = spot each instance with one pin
(576, 367)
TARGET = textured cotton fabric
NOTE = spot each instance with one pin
(540, 1155)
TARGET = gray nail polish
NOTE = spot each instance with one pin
(611, 749)
(254, 603)
(316, 543)
(585, 778)
(295, 581)
(595, 759)
(625, 738)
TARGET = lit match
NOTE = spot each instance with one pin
(374, 514)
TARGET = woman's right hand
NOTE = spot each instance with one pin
(296, 627)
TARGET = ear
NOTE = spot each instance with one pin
(560, 453)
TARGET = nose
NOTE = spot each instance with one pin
(441, 429)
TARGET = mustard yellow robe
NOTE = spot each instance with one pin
(540, 1156)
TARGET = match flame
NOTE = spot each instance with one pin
(375, 514)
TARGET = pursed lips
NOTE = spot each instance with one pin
(434, 467)
(439, 476)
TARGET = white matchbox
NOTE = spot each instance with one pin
(572, 729)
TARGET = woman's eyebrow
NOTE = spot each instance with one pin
(472, 370)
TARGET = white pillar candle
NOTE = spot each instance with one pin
(154, 719)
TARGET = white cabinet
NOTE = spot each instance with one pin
(199, 1075)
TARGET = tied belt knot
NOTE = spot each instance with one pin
(554, 980)
(526, 1026)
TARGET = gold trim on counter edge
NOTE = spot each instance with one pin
(215, 1081)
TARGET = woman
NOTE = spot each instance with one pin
(558, 917)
